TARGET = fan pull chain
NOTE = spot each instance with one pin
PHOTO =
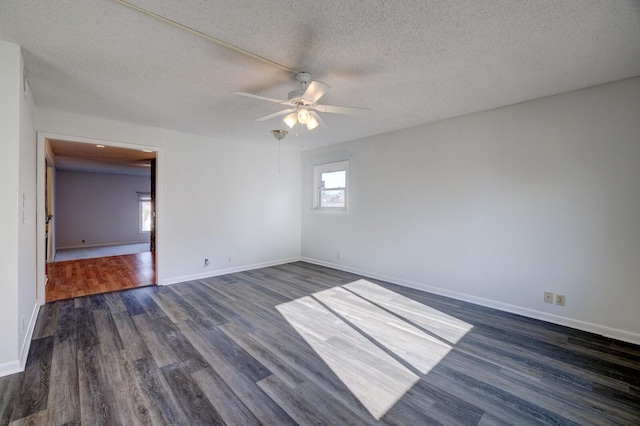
(301, 131)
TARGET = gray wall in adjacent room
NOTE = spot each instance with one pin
(101, 209)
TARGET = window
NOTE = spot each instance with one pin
(144, 202)
(331, 186)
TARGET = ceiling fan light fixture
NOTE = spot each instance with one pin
(312, 123)
(303, 116)
(291, 119)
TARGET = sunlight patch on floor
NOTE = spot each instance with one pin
(344, 338)
(445, 326)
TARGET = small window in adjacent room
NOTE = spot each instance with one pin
(331, 186)
(144, 202)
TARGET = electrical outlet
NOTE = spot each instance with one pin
(548, 297)
(206, 262)
(560, 300)
(228, 258)
(338, 255)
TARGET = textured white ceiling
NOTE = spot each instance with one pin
(411, 61)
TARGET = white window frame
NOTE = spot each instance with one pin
(318, 170)
(143, 197)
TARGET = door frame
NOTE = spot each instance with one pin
(40, 206)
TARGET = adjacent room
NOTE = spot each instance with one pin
(100, 219)
(338, 212)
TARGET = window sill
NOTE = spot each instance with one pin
(330, 211)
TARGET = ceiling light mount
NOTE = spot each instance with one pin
(279, 134)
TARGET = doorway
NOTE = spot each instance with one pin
(90, 190)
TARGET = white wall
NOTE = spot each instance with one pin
(27, 280)
(17, 217)
(216, 198)
(9, 196)
(498, 207)
(99, 208)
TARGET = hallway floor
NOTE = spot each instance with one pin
(83, 277)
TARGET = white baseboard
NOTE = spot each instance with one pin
(218, 272)
(9, 368)
(100, 245)
(26, 344)
(18, 366)
(626, 336)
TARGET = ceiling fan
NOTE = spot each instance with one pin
(304, 105)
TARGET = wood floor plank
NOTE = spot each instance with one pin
(133, 306)
(47, 320)
(64, 397)
(34, 389)
(176, 308)
(10, 387)
(86, 328)
(256, 287)
(306, 403)
(216, 301)
(97, 301)
(108, 334)
(224, 350)
(185, 353)
(527, 401)
(509, 354)
(230, 407)
(273, 362)
(160, 349)
(262, 407)
(162, 402)
(114, 302)
(143, 295)
(66, 325)
(97, 402)
(302, 360)
(191, 398)
(202, 305)
(39, 418)
(128, 397)
(131, 338)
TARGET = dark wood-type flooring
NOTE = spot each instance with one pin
(216, 351)
(83, 277)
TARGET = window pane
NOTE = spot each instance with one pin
(333, 179)
(145, 211)
(332, 198)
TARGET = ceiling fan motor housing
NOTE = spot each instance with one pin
(303, 77)
(296, 96)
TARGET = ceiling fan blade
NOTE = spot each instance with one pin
(262, 98)
(335, 109)
(318, 118)
(315, 90)
(275, 114)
